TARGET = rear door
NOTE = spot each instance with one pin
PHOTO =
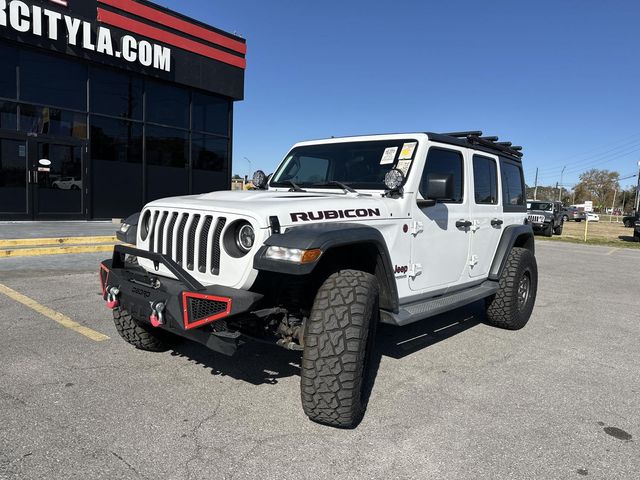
(486, 213)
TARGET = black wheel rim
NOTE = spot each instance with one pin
(524, 290)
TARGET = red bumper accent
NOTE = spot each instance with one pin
(190, 323)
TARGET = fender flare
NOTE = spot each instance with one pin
(327, 236)
(513, 235)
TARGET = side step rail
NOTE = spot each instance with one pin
(416, 311)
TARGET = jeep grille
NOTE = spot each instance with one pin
(536, 218)
(191, 240)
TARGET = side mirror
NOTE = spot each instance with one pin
(260, 180)
(438, 187)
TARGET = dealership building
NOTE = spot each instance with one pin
(108, 104)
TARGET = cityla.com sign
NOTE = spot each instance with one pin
(42, 22)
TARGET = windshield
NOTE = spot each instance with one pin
(541, 206)
(359, 165)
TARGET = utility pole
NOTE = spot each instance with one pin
(560, 193)
(535, 190)
(613, 205)
(638, 189)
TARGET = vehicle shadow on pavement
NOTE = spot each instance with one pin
(256, 363)
(261, 364)
(627, 238)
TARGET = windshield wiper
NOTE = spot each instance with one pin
(294, 186)
(343, 186)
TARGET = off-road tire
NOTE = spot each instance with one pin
(548, 231)
(628, 223)
(558, 229)
(339, 340)
(141, 336)
(504, 309)
(565, 218)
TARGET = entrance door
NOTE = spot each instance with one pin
(439, 252)
(58, 180)
(41, 179)
(14, 179)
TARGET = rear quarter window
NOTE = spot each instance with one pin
(512, 187)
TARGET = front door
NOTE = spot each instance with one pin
(440, 246)
(41, 179)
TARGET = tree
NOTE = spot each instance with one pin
(598, 186)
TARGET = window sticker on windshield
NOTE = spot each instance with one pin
(407, 150)
(403, 166)
(389, 155)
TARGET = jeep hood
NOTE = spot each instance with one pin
(291, 208)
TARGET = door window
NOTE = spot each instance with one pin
(485, 180)
(441, 161)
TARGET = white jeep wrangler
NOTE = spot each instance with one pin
(347, 232)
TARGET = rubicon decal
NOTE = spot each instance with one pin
(54, 25)
(334, 214)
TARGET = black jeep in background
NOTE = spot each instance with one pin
(631, 220)
(546, 217)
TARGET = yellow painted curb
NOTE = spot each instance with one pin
(36, 242)
(53, 315)
(35, 252)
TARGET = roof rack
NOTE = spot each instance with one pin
(475, 137)
(476, 133)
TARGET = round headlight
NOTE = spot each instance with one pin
(144, 224)
(245, 237)
(394, 179)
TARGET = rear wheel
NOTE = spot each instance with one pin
(338, 344)
(143, 337)
(511, 306)
(558, 229)
(565, 218)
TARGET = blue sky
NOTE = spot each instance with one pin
(561, 78)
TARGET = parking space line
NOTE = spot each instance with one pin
(613, 250)
(53, 315)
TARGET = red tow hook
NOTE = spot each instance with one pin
(112, 297)
(157, 314)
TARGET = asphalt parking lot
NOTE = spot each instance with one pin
(453, 398)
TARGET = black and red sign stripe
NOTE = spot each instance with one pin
(165, 20)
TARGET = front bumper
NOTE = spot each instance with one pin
(181, 306)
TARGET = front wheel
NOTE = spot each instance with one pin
(339, 339)
(143, 337)
(548, 230)
(511, 306)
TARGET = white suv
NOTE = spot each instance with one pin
(347, 232)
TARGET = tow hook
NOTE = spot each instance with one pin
(157, 314)
(112, 297)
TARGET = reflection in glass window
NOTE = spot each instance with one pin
(116, 94)
(485, 180)
(8, 115)
(51, 80)
(444, 162)
(167, 152)
(167, 105)
(512, 184)
(52, 121)
(116, 152)
(210, 114)
(8, 83)
(209, 163)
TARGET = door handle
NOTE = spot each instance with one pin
(463, 224)
(496, 222)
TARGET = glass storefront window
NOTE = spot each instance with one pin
(167, 153)
(51, 80)
(210, 114)
(209, 163)
(8, 115)
(115, 94)
(53, 122)
(167, 105)
(116, 151)
(8, 79)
